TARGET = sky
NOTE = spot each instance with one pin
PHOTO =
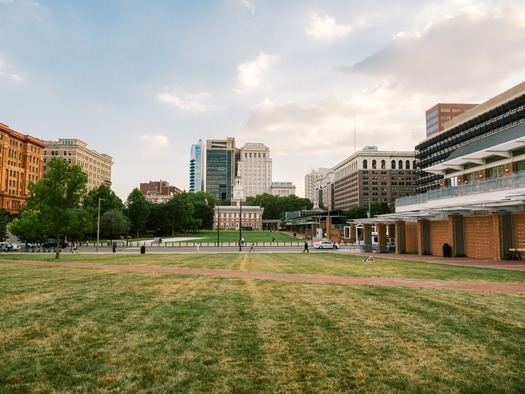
(313, 80)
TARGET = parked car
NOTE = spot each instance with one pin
(325, 245)
(21, 245)
(52, 243)
(6, 247)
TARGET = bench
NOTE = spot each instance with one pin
(516, 252)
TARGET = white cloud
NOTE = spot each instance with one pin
(156, 140)
(249, 6)
(250, 74)
(452, 54)
(190, 103)
(9, 72)
(325, 28)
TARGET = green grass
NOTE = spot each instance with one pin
(67, 329)
(233, 236)
(324, 263)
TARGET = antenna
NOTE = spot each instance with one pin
(355, 147)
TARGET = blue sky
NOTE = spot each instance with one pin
(144, 80)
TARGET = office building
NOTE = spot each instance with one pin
(255, 169)
(311, 183)
(97, 166)
(478, 209)
(437, 116)
(197, 167)
(371, 176)
(493, 116)
(221, 166)
(282, 189)
(21, 161)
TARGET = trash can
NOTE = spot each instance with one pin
(447, 250)
(142, 249)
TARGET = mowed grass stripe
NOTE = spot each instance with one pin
(68, 330)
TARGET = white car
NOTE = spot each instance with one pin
(325, 245)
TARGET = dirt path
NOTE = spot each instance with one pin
(390, 282)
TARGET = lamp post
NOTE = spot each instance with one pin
(240, 225)
(218, 222)
(98, 222)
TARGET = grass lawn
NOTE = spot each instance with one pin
(233, 236)
(68, 329)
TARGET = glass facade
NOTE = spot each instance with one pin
(196, 181)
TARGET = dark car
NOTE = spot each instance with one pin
(52, 243)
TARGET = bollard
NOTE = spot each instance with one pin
(142, 249)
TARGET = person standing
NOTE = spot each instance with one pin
(306, 247)
(114, 247)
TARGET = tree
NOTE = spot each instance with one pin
(203, 204)
(27, 226)
(138, 210)
(56, 196)
(114, 223)
(179, 213)
(5, 218)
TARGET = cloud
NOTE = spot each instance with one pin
(251, 73)
(325, 28)
(452, 53)
(190, 103)
(156, 140)
(249, 6)
(9, 72)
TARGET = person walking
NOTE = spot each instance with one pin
(306, 247)
(252, 247)
(114, 247)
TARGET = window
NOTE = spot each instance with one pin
(365, 164)
(407, 165)
(374, 164)
(393, 164)
(400, 163)
(383, 164)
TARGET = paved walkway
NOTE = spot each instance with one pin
(389, 282)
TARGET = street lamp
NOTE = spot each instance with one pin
(98, 221)
(218, 222)
(240, 225)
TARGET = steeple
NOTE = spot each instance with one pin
(238, 191)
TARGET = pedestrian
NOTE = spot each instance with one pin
(252, 247)
(114, 247)
(75, 248)
(198, 247)
(306, 247)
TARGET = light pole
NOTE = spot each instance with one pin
(98, 222)
(240, 225)
(218, 222)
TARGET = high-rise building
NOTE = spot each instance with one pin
(221, 160)
(370, 176)
(97, 166)
(282, 189)
(441, 113)
(197, 167)
(255, 169)
(493, 116)
(311, 183)
(20, 162)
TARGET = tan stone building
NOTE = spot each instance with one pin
(97, 166)
(20, 163)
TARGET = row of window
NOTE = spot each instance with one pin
(392, 164)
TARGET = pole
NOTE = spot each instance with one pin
(240, 225)
(218, 222)
(98, 222)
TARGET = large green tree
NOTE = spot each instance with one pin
(56, 197)
(203, 204)
(138, 210)
(114, 223)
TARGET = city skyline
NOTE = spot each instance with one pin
(143, 82)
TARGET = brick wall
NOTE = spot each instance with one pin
(411, 237)
(478, 232)
(438, 236)
(518, 230)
